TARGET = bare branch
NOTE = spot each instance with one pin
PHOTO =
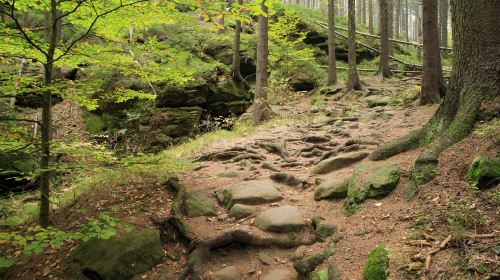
(19, 120)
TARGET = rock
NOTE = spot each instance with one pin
(302, 81)
(308, 264)
(240, 211)
(370, 181)
(176, 122)
(299, 253)
(228, 273)
(369, 116)
(280, 274)
(230, 174)
(285, 178)
(117, 258)
(338, 162)
(377, 264)
(198, 204)
(377, 100)
(281, 219)
(323, 230)
(265, 259)
(483, 172)
(331, 189)
(251, 192)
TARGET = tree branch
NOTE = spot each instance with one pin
(19, 120)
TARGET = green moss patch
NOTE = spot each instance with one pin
(377, 264)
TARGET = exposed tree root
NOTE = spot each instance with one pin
(308, 264)
(276, 147)
(234, 154)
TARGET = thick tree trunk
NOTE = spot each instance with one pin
(353, 82)
(383, 66)
(431, 71)
(370, 17)
(332, 61)
(474, 81)
(443, 22)
(261, 108)
(236, 67)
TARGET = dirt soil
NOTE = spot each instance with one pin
(389, 221)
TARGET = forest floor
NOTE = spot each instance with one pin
(392, 221)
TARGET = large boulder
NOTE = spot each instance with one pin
(194, 94)
(338, 162)
(117, 258)
(281, 219)
(302, 81)
(198, 204)
(251, 192)
(377, 100)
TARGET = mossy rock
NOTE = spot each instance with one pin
(377, 264)
(228, 108)
(483, 172)
(323, 230)
(308, 264)
(370, 181)
(176, 122)
(14, 167)
(193, 94)
(198, 204)
(331, 189)
(240, 211)
(222, 88)
(118, 258)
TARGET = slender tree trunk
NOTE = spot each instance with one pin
(353, 82)
(407, 23)
(370, 17)
(46, 127)
(383, 67)
(332, 61)
(358, 11)
(261, 108)
(363, 11)
(474, 81)
(397, 19)
(236, 67)
(443, 22)
(431, 59)
(390, 13)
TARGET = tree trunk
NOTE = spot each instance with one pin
(474, 81)
(383, 66)
(390, 19)
(397, 19)
(443, 22)
(431, 59)
(363, 11)
(370, 17)
(353, 82)
(236, 67)
(332, 61)
(261, 108)
(406, 22)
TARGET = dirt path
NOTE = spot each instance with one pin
(378, 222)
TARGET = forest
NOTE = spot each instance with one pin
(250, 139)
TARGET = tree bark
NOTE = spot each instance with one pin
(261, 108)
(363, 11)
(443, 22)
(332, 61)
(397, 20)
(383, 67)
(431, 58)
(474, 81)
(390, 19)
(406, 22)
(370, 17)
(236, 67)
(353, 82)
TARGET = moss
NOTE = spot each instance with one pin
(377, 264)
(308, 264)
(323, 231)
(483, 172)
(94, 124)
(422, 172)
